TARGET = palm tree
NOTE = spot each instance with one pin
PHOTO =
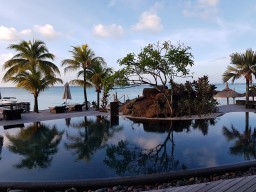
(34, 82)
(98, 72)
(244, 64)
(82, 58)
(31, 68)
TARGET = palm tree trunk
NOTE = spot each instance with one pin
(247, 91)
(98, 100)
(36, 103)
(246, 122)
(85, 93)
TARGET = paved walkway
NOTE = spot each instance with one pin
(234, 108)
(245, 184)
(47, 115)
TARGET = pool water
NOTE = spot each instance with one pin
(100, 147)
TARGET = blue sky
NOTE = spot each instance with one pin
(214, 29)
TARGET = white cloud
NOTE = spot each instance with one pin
(26, 32)
(148, 143)
(112, 30)
(11, 34)
(46, 31)
(149, 21)
(8, 34)
(202, 8)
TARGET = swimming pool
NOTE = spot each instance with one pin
(99, 147)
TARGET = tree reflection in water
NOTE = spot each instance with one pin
(1, 145)
(37, 143)
(92, 135)
(244, 142)
(130, 158)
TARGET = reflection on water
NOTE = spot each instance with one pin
(92, 135)
(36, 143)
(176, 125)
(244, 140)
(1, 145)
(101, 147)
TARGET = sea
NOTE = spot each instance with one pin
(53, 95)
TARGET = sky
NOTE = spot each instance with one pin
(214, 29)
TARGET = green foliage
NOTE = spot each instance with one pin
(157, 63)
(82, 58)
(31, 68)
(195, 98)
(97, 75)
(242, 65)
(111, 80)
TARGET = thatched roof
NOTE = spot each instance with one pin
(227, 92)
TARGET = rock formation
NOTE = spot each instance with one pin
(151, 104)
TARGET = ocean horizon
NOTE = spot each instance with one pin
(53, 95)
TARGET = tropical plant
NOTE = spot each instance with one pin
(82, 58)
(98, 72)
(157, 63)
(110, 81)
(31, 68)
(242, 65)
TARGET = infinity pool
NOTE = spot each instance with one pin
(100, 147)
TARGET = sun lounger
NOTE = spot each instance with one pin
(77, 107)
(58, 109)
(11, 114)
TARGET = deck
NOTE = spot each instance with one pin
(245, 184)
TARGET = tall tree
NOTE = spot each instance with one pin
(158, 63)
(82, 58)
(31, 68)
(98, 72)
(242, 65)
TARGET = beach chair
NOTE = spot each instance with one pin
(58, 109)
(11, 114)
(76, 107)
(79, 107)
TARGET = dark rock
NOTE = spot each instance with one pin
(150, 92)
(155, 101)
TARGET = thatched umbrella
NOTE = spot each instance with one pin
(227, 93)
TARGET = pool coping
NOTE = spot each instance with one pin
(93, 184)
